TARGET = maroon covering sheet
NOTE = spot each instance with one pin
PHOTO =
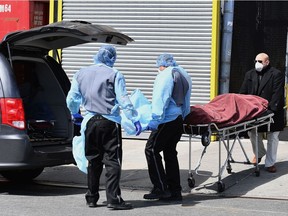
(227, 109)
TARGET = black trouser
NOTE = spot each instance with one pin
(165, 139)
(103, 145)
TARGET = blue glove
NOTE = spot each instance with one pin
(138, 127)
(77, 119)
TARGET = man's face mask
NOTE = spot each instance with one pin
(259, 66)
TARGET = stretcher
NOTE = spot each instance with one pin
(228, 136)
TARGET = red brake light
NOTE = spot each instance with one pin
(12, 112)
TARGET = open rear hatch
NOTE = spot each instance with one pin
(43, 39)
(64, 34)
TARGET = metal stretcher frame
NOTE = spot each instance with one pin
(223, 135)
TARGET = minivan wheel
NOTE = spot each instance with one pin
(22, 175)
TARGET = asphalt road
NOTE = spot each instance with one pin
(46, 198)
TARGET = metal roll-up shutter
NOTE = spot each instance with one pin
(182, 28)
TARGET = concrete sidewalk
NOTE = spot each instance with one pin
(242, 182)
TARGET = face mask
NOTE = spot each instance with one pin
(258, 66)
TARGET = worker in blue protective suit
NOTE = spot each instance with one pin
(101, 90)
(170, 105)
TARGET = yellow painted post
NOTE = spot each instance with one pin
(215, 48)
(215, 51)
(55, 15)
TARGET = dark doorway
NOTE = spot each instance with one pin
(259, 26)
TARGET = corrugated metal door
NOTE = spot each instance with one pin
(183, 28)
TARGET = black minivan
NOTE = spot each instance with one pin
(36, 129)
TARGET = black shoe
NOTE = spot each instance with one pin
(174, 197)
(120, 206)
(91, 204)
(157, 194)
(91, 199)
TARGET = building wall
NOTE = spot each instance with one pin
(183, 28)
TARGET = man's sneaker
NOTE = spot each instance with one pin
(120, 206)
(156, 193)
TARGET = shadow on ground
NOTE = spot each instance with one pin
(69, 180)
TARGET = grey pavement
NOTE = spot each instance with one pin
(241, 182)
(244, 194)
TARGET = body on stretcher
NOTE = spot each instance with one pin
(224, 135)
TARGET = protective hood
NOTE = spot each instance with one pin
(63, 34)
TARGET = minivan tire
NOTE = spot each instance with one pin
(25, 175)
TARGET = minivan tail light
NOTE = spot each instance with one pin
(12, 112)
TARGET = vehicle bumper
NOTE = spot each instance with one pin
(17, 152)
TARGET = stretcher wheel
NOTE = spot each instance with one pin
(229, 170)
(257, 172)
(205, 138)
(221, 186)
(191, 182)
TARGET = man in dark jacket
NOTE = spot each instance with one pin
(267, 82)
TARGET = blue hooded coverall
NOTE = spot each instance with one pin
(170, 105)
(101, 90)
